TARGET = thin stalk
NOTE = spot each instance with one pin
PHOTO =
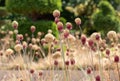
(80, 30)
(92, 62)
(100, 65)
(61, 45)
(118, 71)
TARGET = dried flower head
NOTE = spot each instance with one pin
(18, 47)
(56, 13)
(9, 51)
(33, 40)
(60, 26)
(56, 63)
(15, 24)
(71, 38)
(66, 33)
(49, 31)
(97, 78)
(49, 38)
(95, 37)
(107, 52)
(116, 59)
(10, 32)
(56, 55)
(112, 35)
(35, 47)
(24, 44)
(20, 37)
(16, 31)
(83, 39)
(69, 25)
(33, 28)
(78, 21)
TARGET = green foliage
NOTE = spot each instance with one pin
(3, 13)
(106, 8)
(33, 7)
(42, 26)
(105, 18)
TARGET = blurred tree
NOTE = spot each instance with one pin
(105, 18)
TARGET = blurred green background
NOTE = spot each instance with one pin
(96, 15)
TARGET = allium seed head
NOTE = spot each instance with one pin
(56, 13)
(97, 78)
(18, 47)
(9, 51)
(78, 21)
(60, 26)
(49, 37)
(15, 24)
(83, 39)
(116, 59)
(33, 28)
(69, 25)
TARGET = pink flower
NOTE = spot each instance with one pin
(69, 25)
(56, 13)
(33, 28)
(78, 21)
(60, 26)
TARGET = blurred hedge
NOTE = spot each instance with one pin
(42, 26)
(33, 7)
(3, 13)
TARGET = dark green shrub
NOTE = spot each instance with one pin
(42, 26)
(3, 13)
(105, 18)
(33, 8)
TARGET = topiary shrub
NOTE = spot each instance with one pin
(33, 8)
(105, 18)
(42, 26)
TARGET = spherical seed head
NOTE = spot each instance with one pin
(107, 52)
(57, 20)
(18, 47)
(88, 70)
(56, 13)
(72, 61)
(69, 25)
(112, 35)
(33, 28)
(40, 73)
(55, 62)
(15, 24)
(78, 21)
(60, 26)
(90, 42)
(97, 78)
(20, 37)
(83, 39)
(97, 37)
(66, 33)
(32, 71)
(1, 53)
(49, 37)
(67, 63)
(49, 31)
(9, 51)
(116, 59)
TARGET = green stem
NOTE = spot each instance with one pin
(63, 58)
